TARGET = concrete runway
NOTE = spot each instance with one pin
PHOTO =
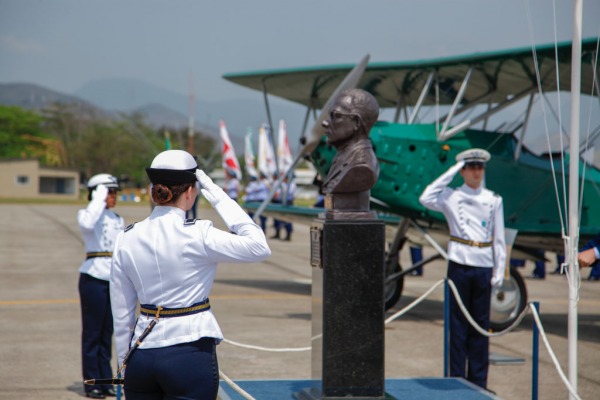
(266, 304)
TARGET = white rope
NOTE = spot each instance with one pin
(235, 387)
(410, 306)
(554, 360)
(414, 303)
(539, 85)
(275, 350)
(474, 324)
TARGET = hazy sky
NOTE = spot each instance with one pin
(63, 44)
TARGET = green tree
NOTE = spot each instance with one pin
(17, 127)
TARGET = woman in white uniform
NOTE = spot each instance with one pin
(99, 226)
(168, 265)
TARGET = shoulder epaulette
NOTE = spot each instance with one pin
(129, 227)
(190, 221)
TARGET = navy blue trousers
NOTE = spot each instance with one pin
(183, 371)
(97, 324)
(469, 350)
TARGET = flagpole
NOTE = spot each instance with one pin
(573, 242)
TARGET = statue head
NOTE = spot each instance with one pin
(351, 117)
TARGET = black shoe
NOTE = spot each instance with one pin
(491, 391)
(275, 236)
(110, 392)
(95, 394)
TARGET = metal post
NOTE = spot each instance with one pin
(574, 192)
(535, 355)
(446, 328)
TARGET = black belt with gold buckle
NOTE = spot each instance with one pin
(150, 310)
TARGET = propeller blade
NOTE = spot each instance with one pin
(317, 131)
(349, 82)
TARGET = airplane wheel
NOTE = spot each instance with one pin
(393, 290)
(508, 301)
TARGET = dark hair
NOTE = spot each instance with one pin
(163, 194)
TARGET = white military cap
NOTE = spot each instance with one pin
(103, 179)
(479, 156)
(173, 167)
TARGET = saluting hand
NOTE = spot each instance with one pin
(209, 190)
(100, 193)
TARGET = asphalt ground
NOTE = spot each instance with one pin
(265, 304)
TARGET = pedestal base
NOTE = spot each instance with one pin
(348, 294)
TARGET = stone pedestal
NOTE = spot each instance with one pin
(348, 309)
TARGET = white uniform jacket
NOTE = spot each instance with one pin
(472, 214)
(168, 261)
(99, 227)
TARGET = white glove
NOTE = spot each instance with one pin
(211, 192)
(100, 193)
(497, 278)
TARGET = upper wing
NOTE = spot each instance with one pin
(502, 73)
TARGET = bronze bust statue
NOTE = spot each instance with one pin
(354, 169)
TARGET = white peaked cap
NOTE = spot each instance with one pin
(474, 155)
(173, 167)
(174, 159)
(103, 179)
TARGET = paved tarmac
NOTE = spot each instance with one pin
(266, 304)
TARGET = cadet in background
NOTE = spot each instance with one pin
(477, 257)
(284, 195)
(99, 226)
(257, 191)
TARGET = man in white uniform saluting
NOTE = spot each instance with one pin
(476, 257)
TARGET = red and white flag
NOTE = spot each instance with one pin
(284, 154)
(249, 155)
(266, 155)
(230, 161)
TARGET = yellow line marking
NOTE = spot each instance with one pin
(48, 301)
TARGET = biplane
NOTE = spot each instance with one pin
(413, 150)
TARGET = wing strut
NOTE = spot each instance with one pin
(524, 129)
(468, 123)
(421, 98)
(457, 100)
(270, 121)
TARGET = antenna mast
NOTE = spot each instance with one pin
(192, 101)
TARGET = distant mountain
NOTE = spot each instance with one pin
(239, 114)
(36, 97)
(130, 94)
(158, 115)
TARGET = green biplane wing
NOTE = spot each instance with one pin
(504, 73)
